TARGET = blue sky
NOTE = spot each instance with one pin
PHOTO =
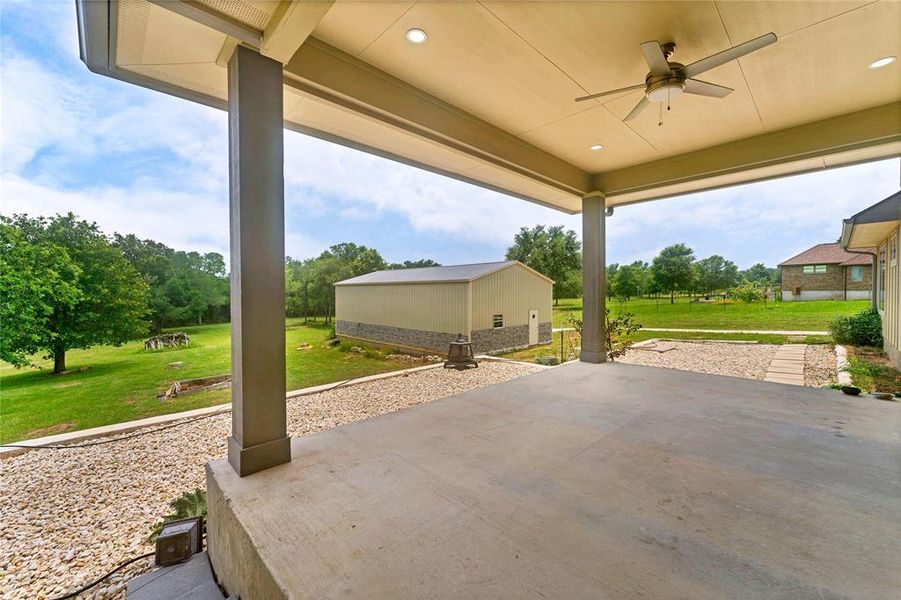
(141, 162)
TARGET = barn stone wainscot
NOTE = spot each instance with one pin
(498, 306)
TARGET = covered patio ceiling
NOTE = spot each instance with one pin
(489, 97)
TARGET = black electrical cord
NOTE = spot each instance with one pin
(111, 573)
(155, 430)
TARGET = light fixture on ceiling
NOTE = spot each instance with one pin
(883, 62)
(416, 35)
(596, 148)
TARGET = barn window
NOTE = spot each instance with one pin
(498, 320)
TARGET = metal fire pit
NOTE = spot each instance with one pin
(459, 355)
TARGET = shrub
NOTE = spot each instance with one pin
(862, 329)
(331, 332)
(189, 504)
(616, 332)
(746, 292)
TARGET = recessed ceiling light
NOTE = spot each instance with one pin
(596, 148)
(417, 36)
(882, 62)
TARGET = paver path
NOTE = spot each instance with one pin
(787, 365)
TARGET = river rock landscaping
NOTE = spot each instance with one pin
(69, 516)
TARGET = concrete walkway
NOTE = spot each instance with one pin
(788, 365)
(757, 331)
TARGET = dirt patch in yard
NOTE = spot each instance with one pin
(52, 430)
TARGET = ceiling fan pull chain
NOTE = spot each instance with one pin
(660, 118)
(667, 97)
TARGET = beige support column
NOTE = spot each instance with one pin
(259, 437)
(593, 278)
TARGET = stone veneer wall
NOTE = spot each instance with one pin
(412, 339)
(507, 338)
(483, 341)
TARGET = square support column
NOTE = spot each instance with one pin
(259, 437)
(594, 276)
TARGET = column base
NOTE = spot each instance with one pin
(246, 461)
(592, 357)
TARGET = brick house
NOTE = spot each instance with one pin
(827, 272)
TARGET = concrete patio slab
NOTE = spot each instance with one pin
(582, 481)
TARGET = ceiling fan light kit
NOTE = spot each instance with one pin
(668, 80)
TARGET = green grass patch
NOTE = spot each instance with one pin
(121, 384)
(789, 316)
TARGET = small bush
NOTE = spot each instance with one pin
(547, 360)
(746, 292)
(189, 504)
(331, 332)
(345, 347)
(862, 329)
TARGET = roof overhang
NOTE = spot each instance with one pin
(870, 226)
(373, 100)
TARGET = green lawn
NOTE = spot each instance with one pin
(683, 314)
(121, 384)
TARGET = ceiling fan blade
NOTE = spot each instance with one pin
(638, 108)
(655, 58)
(702, 88)
(721, 58)
(640, 86)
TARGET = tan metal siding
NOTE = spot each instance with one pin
(510, 292)
(422, 306)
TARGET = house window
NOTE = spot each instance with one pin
(857, 274)
(811, 269)
(498, 320)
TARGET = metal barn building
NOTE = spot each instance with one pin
(497, 306)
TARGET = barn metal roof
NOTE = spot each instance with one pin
(445, 274)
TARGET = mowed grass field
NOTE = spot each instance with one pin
(789, 316)
(122, 384)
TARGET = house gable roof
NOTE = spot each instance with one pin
(827, 254)
(443, 274)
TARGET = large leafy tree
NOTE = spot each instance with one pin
(715, 273)
(84, 292)
(626, 282)
(552, 251)
(672, 269)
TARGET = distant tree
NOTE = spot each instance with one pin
(715, 273)
(414, 264)
(610, 272)
(672, 269)
(571, 286)
(185, 287)
(757, 273)
(552, 251)
(339, 262)
(85, 291)
(626, 282)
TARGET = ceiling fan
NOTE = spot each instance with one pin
(670, 79)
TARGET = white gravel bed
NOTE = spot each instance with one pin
(737, 360)
(819, 365)
(69, 516)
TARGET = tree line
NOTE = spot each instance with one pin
(66, 285)
(309, 284)
(556, 253)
